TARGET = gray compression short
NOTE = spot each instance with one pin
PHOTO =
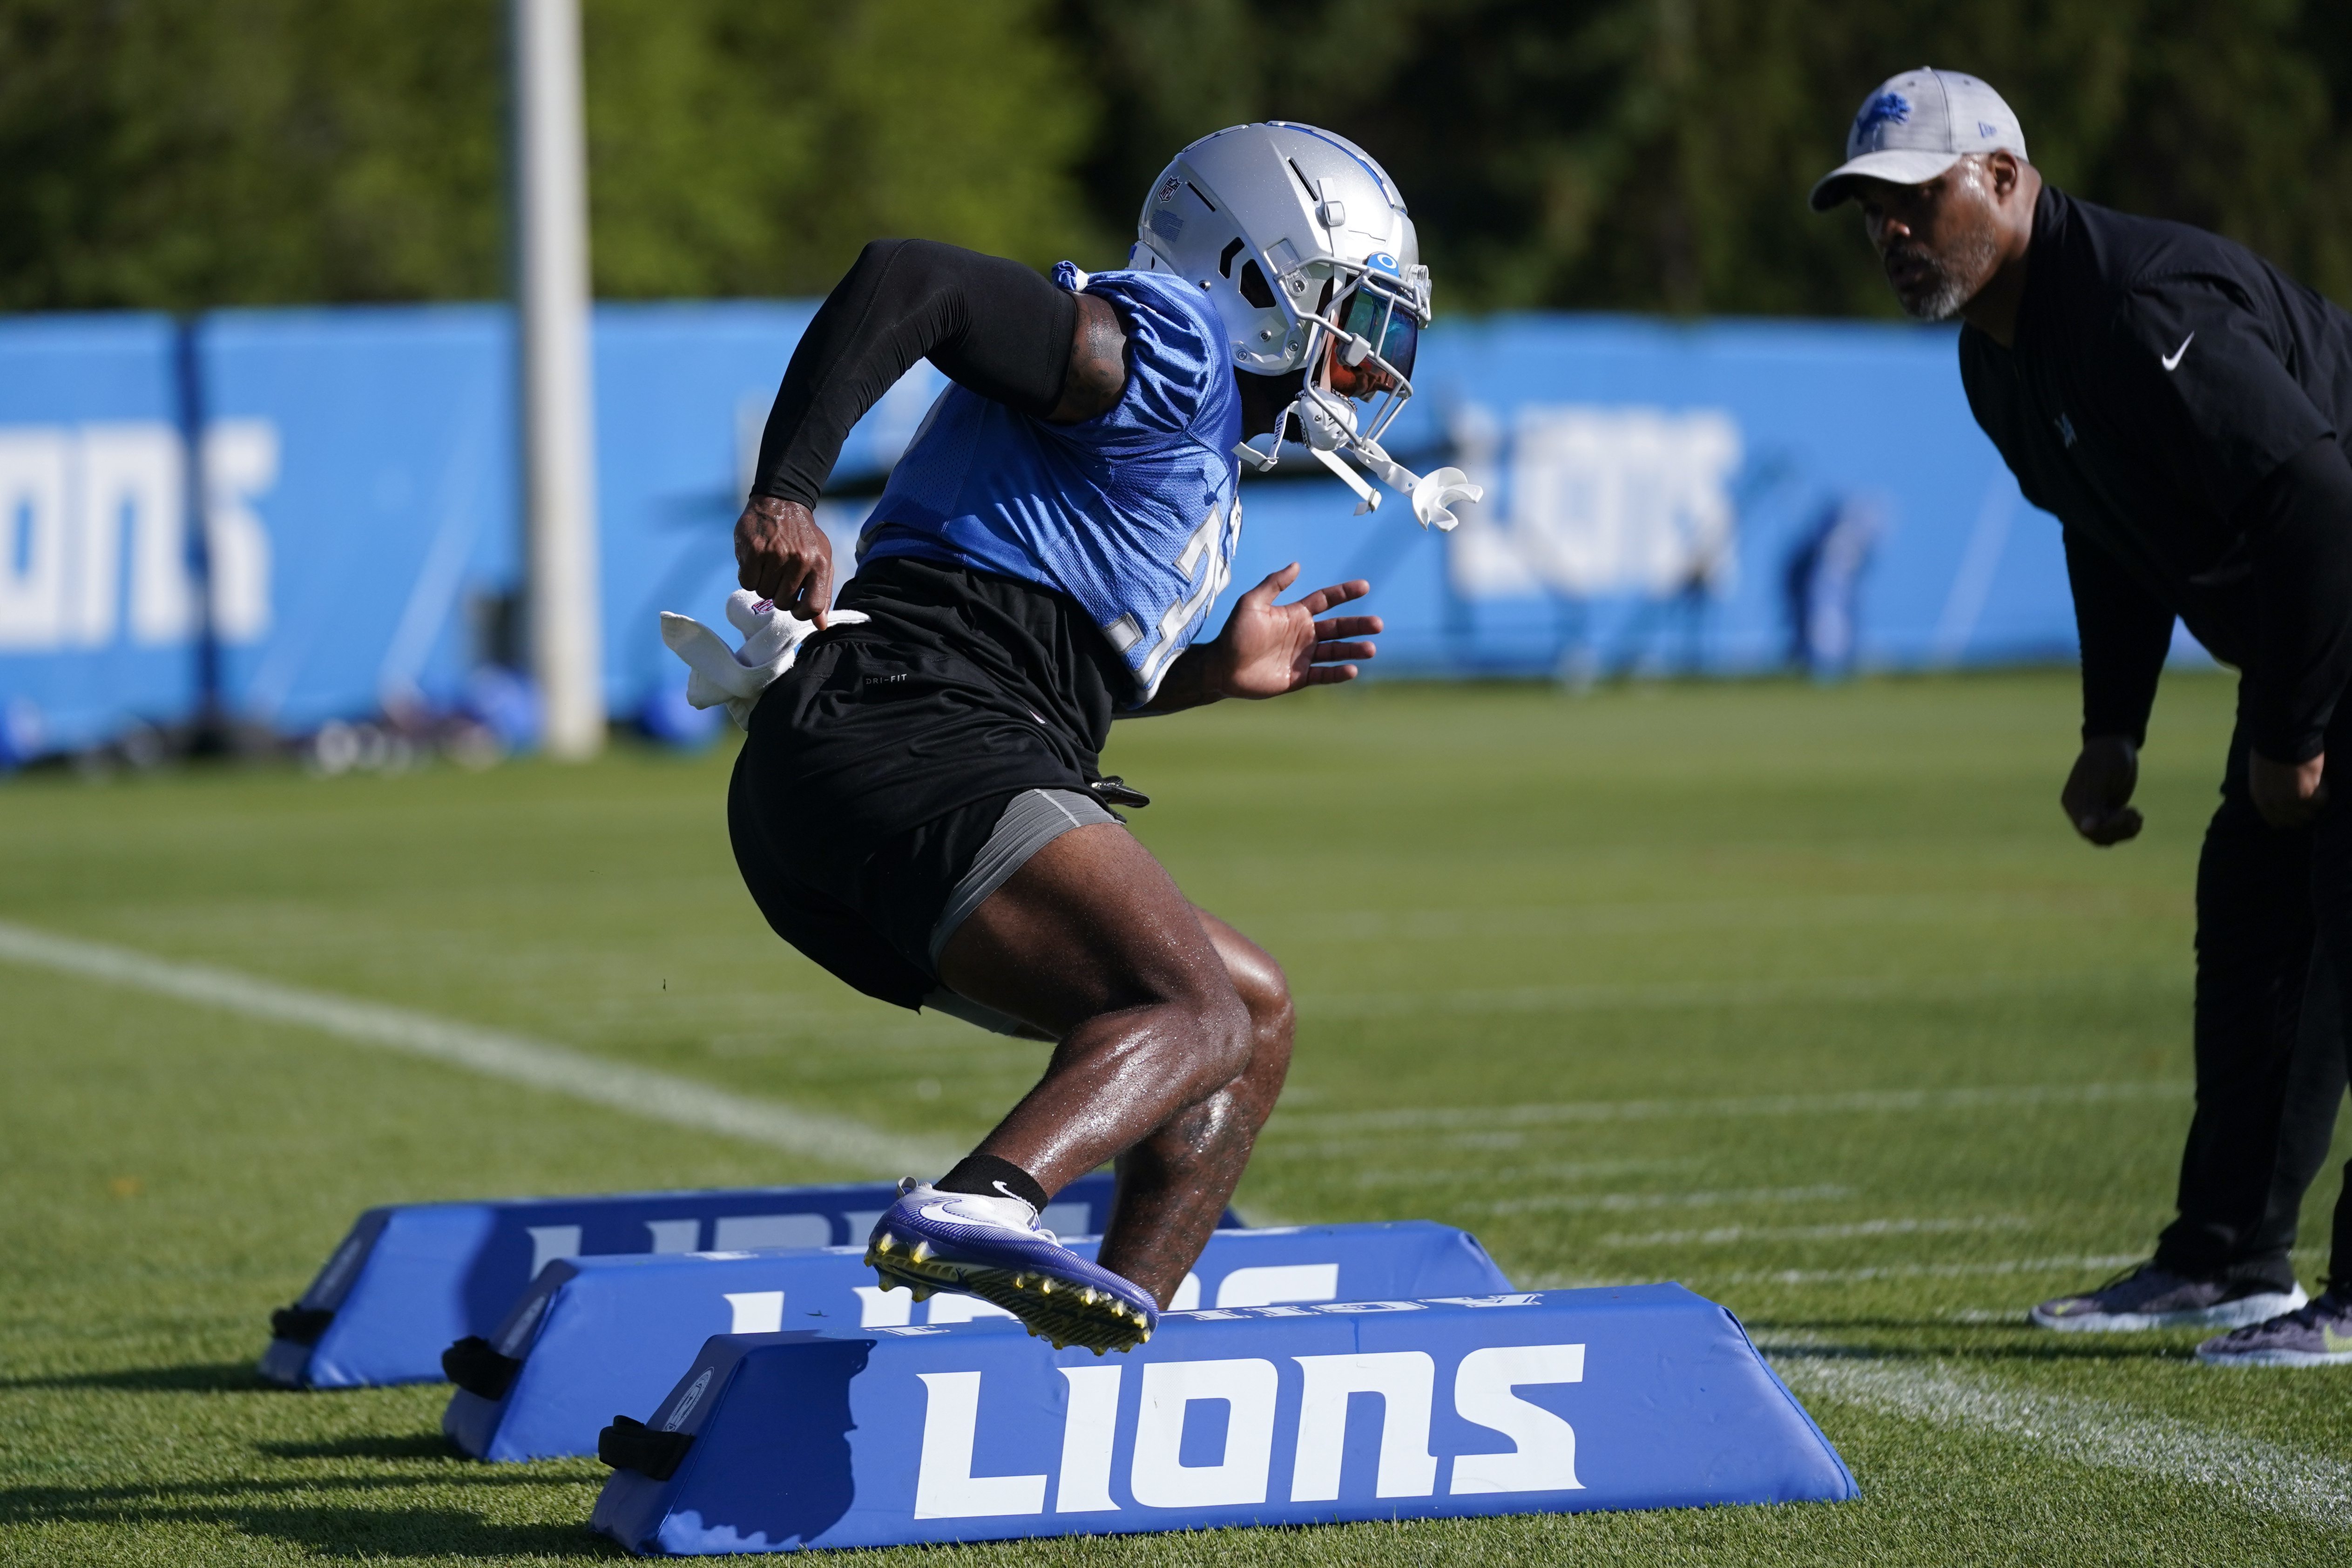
(1032, 819)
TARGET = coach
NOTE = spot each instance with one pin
(2177, 401)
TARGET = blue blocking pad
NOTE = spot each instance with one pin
(409, 1279)
(600, 1336)
(1646, 1397)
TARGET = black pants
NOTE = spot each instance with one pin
(2274, 928)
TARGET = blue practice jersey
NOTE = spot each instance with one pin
(1134, 514)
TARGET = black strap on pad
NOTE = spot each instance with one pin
(473, 1364)
(301, 1324)
(631, 1445)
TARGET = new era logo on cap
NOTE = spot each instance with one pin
(1917, 125)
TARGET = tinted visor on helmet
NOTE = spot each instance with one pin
(1385, 319)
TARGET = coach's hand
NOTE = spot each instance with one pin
(2288, 795)
(1267, 649)
(2097, 797)
(782, 555)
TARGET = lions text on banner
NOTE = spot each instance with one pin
(1644, 1397)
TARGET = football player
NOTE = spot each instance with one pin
(919, 805)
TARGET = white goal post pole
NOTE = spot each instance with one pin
(550, 192)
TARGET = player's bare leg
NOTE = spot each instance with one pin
(1173, 1036)
(1174, 1185)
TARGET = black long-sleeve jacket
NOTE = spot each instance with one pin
(2176, 400)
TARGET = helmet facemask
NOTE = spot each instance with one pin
(1350, 310)
(1367, 331)
(1371, 327)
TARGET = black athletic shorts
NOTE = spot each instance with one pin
(879, 766)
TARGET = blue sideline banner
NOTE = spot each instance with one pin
(409, 1280)
(360, 505)
(1718, 497)
(600, 1336)
(1641, 1397)
(95, 597)
(1724, 497)
(387, 516)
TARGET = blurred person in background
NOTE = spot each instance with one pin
(1821, 584)
(2177, 403)
(920, 806)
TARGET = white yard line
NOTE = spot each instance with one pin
(2244, 1470)
(1355, 1146)
(1856, 1276)
(1674, 916)
(683, 1102)
(1924, 1271)
(1492, 1174)
(1730, 1235)
(1688, 994)
(1862, 1102)
(1627, 1203)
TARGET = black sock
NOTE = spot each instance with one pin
(990, 1177)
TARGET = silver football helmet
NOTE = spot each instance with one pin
(1303, 244)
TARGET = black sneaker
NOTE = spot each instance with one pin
(2317, 1334)
(2146, 1297)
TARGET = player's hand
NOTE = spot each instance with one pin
(2288, 795)
(2097, 797)
(1267, 649)
(782, 555)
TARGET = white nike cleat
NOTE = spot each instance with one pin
(992, 1247)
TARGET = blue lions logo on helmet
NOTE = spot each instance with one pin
(1887, 108)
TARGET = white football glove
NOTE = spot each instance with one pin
(734, 677)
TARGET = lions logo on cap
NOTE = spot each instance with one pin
(1887, 108)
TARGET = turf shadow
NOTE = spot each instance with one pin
(2019, 1339)
(2043, 1354)
(1928, 1325)
(21, 1504)
(372, 1535)
(196, 1377)
(407, 1445)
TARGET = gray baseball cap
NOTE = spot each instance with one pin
(1914, 126)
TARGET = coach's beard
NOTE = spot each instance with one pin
(1932, 288)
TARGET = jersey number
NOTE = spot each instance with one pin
(1207, 564)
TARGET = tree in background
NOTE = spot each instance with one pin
(1654, 154)
(179, 153)
(176, 153)
(745, 147)
(1624, 154)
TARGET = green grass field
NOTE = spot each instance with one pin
(1692, 983)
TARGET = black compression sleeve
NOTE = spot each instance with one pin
(990, 324)
(2299, 523)
(2125, 632)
